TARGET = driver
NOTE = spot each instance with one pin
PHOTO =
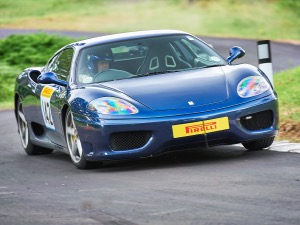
(95, 65)
(103, 61)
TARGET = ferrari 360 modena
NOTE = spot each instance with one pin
(141, 94)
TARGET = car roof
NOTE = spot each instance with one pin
(125, 36)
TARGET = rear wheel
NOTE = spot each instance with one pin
(74, 144)
(29, 147)
(259, 144)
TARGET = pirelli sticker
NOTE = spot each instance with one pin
(201, 127)
(46, 106)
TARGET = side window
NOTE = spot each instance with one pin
(61, 64)
(52, 64)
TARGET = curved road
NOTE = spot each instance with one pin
(284, 55)
(220, 185)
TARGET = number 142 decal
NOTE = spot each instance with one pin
(46, 107)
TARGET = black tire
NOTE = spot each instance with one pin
(259, 144)
(74, 144)
(29, 147)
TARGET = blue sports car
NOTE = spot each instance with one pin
(142, 94)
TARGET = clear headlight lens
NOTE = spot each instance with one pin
(252, 86)
(112, 106)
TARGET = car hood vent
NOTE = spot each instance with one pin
(176, 90)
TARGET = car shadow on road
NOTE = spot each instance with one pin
(183, 158)
(186, 158)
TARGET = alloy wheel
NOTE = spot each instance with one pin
(73, 141)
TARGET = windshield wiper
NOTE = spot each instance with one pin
(157, 72)
(216, 65)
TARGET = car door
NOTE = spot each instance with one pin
(53, 97)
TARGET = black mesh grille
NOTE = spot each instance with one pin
(258, 121)
(129, 140)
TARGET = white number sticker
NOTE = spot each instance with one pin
(46, 107)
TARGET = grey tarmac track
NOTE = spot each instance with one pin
(219, 185)
(284, 55)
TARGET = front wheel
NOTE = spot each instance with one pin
(74, 144)
(259, 144)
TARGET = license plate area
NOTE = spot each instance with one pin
(200, 127)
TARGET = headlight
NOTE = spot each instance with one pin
(112, 106)
(252, 86)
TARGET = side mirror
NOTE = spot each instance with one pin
(235, 52)
(51, 78)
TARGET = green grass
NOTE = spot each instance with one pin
(287, 86)
(260, 19)
(7, 105)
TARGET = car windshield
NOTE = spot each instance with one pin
(144, 57)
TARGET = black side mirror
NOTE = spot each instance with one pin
(51, 78)
(235, 52)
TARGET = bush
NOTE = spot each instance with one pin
(24, 51)
(8, 75)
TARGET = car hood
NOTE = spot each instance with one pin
(176, 90)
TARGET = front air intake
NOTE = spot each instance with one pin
(258, 121)
(129, 140)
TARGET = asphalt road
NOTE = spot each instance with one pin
(284, 55)
(220, 185)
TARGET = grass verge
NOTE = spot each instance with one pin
(260, 19)
(287, 85)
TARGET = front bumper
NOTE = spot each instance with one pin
(95, 135)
